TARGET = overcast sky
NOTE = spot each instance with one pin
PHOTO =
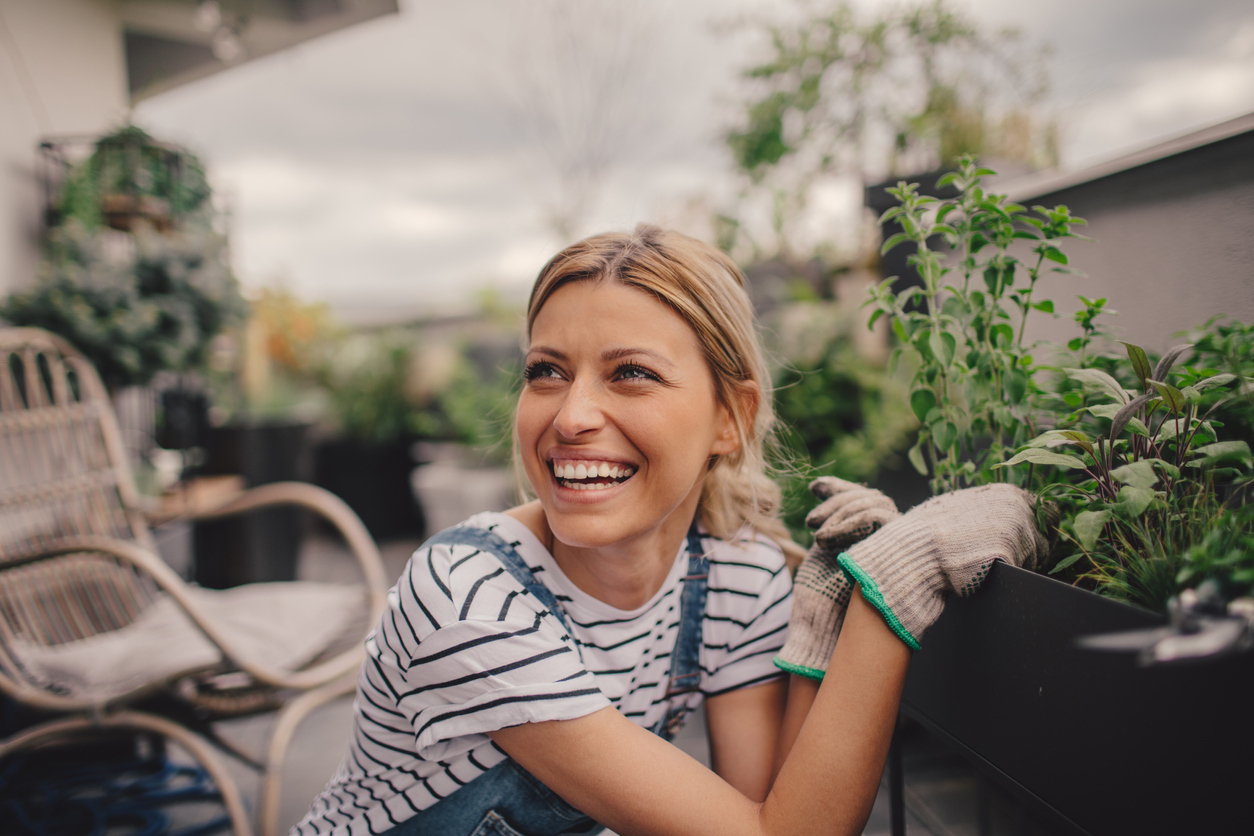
(393, 168)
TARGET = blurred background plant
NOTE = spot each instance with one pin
(894, 91)
(134, 271)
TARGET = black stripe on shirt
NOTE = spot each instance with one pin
(474, 590)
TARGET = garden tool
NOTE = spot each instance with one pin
(1201, 626)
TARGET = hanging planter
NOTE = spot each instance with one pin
(131, 180)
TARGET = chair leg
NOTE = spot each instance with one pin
(289, 717)
(148, 722)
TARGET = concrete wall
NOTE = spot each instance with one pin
(62, 72)
(1175, 244)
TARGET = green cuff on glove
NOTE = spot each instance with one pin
(871, 592)
(800, 670)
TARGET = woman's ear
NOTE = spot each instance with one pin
(745, 398)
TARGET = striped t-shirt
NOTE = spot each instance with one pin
(463, 650)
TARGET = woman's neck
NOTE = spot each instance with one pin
(624, 575)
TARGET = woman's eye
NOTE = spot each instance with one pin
(631, 371)
(540, 370)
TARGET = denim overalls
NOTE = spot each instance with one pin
(507, 800)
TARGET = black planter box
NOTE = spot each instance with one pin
(1091, 743)
(373, 479)
(262, 545)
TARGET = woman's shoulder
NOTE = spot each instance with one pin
(466, 580)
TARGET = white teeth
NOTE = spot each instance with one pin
(590, 470)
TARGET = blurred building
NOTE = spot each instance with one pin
(1174, 234)
(74, 68)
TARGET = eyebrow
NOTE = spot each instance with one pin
(609, 355)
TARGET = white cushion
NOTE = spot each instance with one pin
(283, 625)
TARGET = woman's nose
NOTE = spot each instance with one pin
(580, 413)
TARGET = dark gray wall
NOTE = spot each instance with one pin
(1175, 244)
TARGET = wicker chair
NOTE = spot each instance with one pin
(95, 628)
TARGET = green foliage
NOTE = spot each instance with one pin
(475, 409)
(977, 384)
(840, 416)
(130, 162)
(903, 88)
(134, 305)
(1146, 476)
(1132, 449)
(1225, 554)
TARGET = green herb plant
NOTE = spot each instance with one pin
(976, 385)
(1148, 471)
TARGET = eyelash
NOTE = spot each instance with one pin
(644, 374)
(542, 369)
(537, 369)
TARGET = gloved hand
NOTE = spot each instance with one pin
(945, 545)
(821, 589)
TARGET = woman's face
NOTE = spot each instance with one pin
(618, 417)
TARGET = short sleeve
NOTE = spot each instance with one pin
(464, 650)
(749, 601)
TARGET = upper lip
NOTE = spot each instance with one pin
(558, 454)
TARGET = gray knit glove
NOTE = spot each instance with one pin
(821, 590)
(945, 545)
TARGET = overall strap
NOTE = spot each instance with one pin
(685, 673)
(495, 544)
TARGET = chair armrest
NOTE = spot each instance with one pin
(177, 589)
(329, 506)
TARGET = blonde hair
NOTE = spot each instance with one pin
(707, 289)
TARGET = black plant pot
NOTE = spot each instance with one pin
(261, 545)
(1089, 741)
(373, 479)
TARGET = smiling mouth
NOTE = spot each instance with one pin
(590, 475)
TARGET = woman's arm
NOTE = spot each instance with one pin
(744, 727)
(636, 783)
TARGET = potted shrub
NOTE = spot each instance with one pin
(1151, 488)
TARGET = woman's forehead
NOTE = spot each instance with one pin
(614, 315)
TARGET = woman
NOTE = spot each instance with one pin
(533, 664)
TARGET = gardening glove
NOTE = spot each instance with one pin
(821, 590)
(945, 545)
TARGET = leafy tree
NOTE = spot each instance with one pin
(894, 92)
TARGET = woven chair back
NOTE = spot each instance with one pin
(63, 474)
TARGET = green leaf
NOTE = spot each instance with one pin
(1140, 362)
(893, 241)
(945, 434)
(1002, 334)
(1137, 474)
(1066, 561)
(943, 346)
(1054, 254)
(922, 401)
(1045, 306)
(1217, 380)
(1037, 455)
(1075, 344)
(876, 314)
(1133, 501)
(1099, 380)
(1016, 386)
(916, 456)
(1221, 451)
(1088, 527)
(1173, 398)
(900, 330)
